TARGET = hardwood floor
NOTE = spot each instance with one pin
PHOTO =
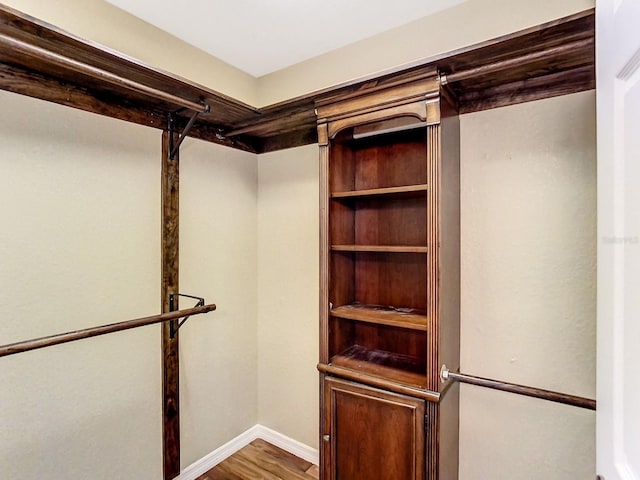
(262, 461)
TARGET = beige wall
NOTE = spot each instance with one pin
(528, 287)
(101, 22)
(288, 279)
(218, 260)
(249, 240)
(79, 247)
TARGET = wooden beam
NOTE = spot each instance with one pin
(170, 270)
(42, 61)
(536, 88)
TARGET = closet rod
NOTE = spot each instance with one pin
(38, 53)
(550, 395)
(552, 52)
(33, 344)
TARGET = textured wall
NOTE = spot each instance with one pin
(79, 247)
(528, 287)
(288, 292)
(218, 258)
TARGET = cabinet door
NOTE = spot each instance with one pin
(373, 434)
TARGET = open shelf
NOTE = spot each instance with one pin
(379, 363)
(379, 248)
(406, 190)
(378, 164)
(408, 318)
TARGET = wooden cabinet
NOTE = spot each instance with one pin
(357, 419)
(389, 300)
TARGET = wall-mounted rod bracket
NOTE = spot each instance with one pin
(173, 301)
(175, 146)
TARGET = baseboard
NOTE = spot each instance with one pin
(299, 449)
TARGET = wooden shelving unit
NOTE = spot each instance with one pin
(389, 272)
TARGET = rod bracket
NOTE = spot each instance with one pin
(444, 373)
(175, 146)
(174, 325)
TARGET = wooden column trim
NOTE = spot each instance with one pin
(170, 352)
(324, 240)
(433, 258)
(323, 171)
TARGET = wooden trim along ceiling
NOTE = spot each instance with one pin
(39, 60)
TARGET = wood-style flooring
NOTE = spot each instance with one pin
(262, 461)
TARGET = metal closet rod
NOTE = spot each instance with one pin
(550, 395)
(77, 66)
(27, 345)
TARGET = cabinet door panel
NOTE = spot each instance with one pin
(374, 434)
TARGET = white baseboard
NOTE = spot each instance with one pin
(200, 467)
(299, 449)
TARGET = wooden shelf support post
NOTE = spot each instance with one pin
(170, 269)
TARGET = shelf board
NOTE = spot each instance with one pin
(391, 191)
(408, 318)
(379, 382)
(379, 363)
(379, 248)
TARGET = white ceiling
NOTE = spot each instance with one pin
(262, 36)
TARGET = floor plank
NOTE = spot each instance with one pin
(262, 461)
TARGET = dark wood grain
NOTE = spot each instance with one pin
(67, 337)
(550, 395)
(379, 248)
(374, 434)
(390, 244)
(391, 221)
(432, 441)
(380, 363)
(377, 381)
(530, 89)
(545, 60)
(341, 290)
(306, 134)
(170, 275)
(395, 279)
(398, 192)
(324, 239)
(36, 85)
(432, 273)
(410, 318)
